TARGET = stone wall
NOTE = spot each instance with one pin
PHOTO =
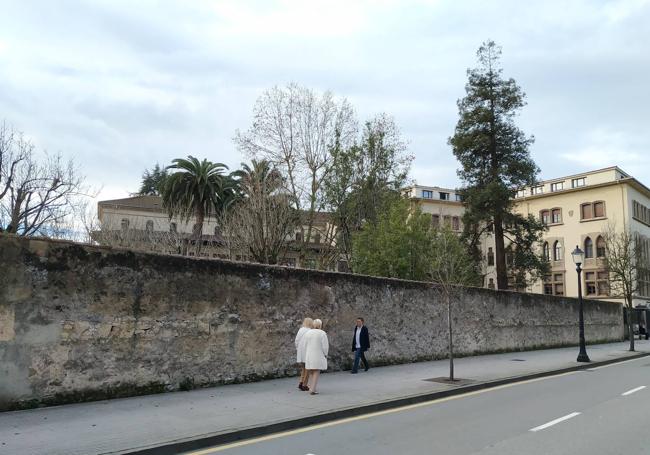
(79, 322)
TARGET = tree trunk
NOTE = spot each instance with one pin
(630, 325)
(500, 254)
(451, 340)
(200, 217)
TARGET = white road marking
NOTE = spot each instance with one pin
(630, 392)
(556, 421)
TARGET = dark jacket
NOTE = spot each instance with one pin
(364, 339)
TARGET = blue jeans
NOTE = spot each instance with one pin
(359, 355)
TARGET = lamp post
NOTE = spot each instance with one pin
(578, 258)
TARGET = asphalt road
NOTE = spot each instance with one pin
(605, 410)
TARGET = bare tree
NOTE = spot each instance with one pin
(295, 129)
(260, 225)
(451, 269)
(625, 260)
(158, 238)
(39, 194)
(14, 149)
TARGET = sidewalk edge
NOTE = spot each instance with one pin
(205, 441)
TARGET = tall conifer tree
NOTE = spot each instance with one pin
(495, 160)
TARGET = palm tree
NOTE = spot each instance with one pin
(197, 189)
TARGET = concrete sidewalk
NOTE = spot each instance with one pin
(131, 424)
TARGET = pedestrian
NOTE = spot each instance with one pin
(360, 344)
(300, 351)
(316, 348)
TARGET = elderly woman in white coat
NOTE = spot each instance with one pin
(300, 343)
(316, 350)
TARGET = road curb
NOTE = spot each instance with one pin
(204, 441)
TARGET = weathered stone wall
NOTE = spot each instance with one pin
(80, 322)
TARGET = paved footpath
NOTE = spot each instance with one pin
(129, 424)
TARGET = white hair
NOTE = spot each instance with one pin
(317, 324)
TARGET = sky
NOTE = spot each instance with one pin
(120, 86)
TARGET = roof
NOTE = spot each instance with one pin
(153, 203)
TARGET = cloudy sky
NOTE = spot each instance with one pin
(120, 86)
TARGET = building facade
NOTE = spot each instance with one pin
(577, 210)
(141, 222)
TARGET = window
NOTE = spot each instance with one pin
(149, 226)
(599, 209)
(125, 224)
(577, 183)
(537, 190)
(521, 193)
(600, 247)
(172, 227)
(196, 229)
(217, 231)
(590, 210)
(556, 216)
(557, 251)
(435, 220)
(317, 237)
(490, 256)
(298, 236)
(546, 251)
(641, 213)
(596, 283)
(554, 284)
(459, 198)
(589, 248)
(444, 196)
(491, 283)
(545, 216)
(557, 186)
(455, 223)
(342, 266)
(427, 194)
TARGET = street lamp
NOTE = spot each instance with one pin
(578, 258)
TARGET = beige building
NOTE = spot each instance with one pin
(141, 222)
(577, 209)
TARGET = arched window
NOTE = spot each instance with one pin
(490, 256)
(217, 230)
(600, 247)
(546, 251)
(556, 216)
(125, 224)
(149, 226)
(172, 227)
(589, 248)
(557, 251)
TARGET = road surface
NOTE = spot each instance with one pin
(604, 410)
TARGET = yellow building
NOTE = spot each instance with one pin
(578, 210)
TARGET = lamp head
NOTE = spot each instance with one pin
(578, 256)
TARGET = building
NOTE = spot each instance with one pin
(141, 222)
(577, 209)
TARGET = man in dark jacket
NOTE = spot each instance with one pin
(360, 344)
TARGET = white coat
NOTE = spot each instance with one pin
(300, 344)
(316, 350)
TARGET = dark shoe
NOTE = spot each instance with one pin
(300, 386)
(304, 388)
(353, 372)
(366, 369)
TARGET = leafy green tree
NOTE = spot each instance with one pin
(451, 269)
(365, 178)
(495, 160)
(153, 181)
(398, 245)
(197, 189)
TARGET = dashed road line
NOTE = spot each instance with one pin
(555, 422)
(630, 392)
